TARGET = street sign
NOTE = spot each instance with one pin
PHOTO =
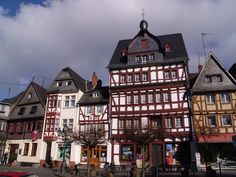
(234, 140)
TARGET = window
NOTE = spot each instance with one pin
(26, 149)
(2, 109)
(70, 101)
(210, 98)
(166, 97)
(29, 96)
(129, 99)
(143, 99)
(208, 79)
(33, 110)
(219, 78)
(64, 123)
(99, 109)
(169, 123)
(68, 83)
(70, 124)
(67, 101)
(34, 149)
(226, 120)
(2, 126)
(150, 98)
(178, 122)
(54, 101)
(88, 109)
(137, 77)
(136, 99)
(158, 97)
(122, 79)
(21, 111)
(121, 126)
(151, 57)
(136, 124)
(174, 74)
(167, 74)
(137, 59)
(127, 152)
(59, 84)
(144, 59)
(130, 78)
(225, 98)
(145, 76)
(95, 94)
(211, 121)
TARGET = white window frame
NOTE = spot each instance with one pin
(144, 59)
(158, 97)
(210, 98)
(88, 109)
(167, 74)
(129, 99)
(224, 122)
(166, 97)
(174, 74)
(122, 78)
(136, 99)
(178, 122)
(225, 97)
(144, 76)
(143, 99)
(169, 122)
(211, 117)
(129, 77)
(150, 98)
(137, 77)
(99, 109)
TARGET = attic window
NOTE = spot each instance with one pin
(68, 83)
(168, 47)
(95, 94)
(219, 78)
(151, 57)
(29, 96)
(144, 59)
(59, 84)
(22, 111)
(208, 79)
(144, 44)
(137, 59)
(33, 110)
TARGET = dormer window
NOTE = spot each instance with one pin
(168, 47)
(59, 84)
(96, 94)
(219, 78)
(208, 79)
(144, 44)
(144, 59)
(22, 111)
(137, 59)
(151, 57)
(68, 83)
(33, 110)
(29, 96)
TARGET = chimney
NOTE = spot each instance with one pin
(94, 79)
(199, 68)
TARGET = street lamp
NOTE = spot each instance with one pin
(64, 133)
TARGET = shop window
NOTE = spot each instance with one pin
(172, 154)
(26, 149)
(226, 120)
(34, 149)
(127, 152)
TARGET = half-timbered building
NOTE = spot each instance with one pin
(93, 113)
(214, 110)
(148, 82)
(62, 96)
(25, 126)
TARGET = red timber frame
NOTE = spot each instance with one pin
(52, 117)
(126, 111)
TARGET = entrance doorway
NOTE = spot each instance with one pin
(157, 154)
(13, 152)
(98, 155)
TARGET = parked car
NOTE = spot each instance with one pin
(17, 174)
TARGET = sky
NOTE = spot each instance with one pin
(38, 38)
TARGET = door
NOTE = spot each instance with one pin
(94, 158)
(13, 152)
(48, 152)
(157, 154)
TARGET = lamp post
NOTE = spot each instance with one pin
(64, 133)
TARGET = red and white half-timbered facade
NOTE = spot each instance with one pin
(93, 113)
(148, 83)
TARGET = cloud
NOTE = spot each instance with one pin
(42, 39)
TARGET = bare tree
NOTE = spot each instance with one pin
(143, 137)
(91, 137)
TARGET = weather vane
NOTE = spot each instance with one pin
(143, 13)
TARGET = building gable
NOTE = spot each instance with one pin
(213, 77)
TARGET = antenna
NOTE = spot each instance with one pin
(203, 34)
(9, 92)
(143, 13)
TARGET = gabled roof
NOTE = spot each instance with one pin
(78, 81)
(178, 52)
(213, 67)
(88, 99)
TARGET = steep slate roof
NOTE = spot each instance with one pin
(12, 99)
(232, 70)
(79, 82)
(213, 67)
(178, 52)
(42, 93)
(88, 99)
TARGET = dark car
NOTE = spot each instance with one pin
(17, 174)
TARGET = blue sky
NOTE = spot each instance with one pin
(13, 5)
(39, 40)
